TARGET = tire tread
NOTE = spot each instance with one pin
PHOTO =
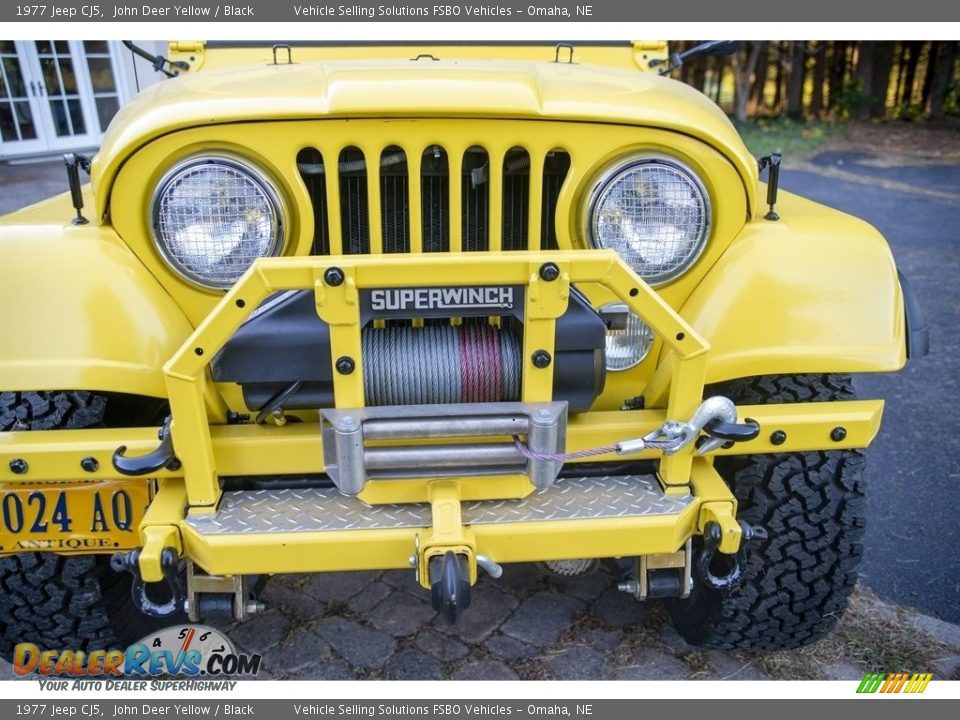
(55, 601)
(798, 581)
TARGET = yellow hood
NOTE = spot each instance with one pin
(424, 88)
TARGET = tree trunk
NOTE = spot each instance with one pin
(901, 69)
(698, 73)
(685, 75)
(758, 91)
(882, 65)
(778, 81)
(720, 64)
(865, 67)
(910, 73)
(942, 74)
(838, 73)
(928, 78)
(798, 64)
(819, 75)
(744, 67)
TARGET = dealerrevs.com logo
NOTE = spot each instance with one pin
(201, 654)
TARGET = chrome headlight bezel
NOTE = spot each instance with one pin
(645, 333)
(251, 172)
(613, 173)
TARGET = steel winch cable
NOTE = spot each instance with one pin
(440, 364)
(529, 454)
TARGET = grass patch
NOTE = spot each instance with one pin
(793, 138)
(872, 634)
(700, 664)
(532, 669)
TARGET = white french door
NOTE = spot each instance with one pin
(56, 95)
(21, 129)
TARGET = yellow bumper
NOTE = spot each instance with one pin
(190, 501)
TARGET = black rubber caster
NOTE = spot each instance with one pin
(450, 585)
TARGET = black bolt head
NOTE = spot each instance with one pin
(778, 437)
(89, 464)
(838, 434)
(345, 365)
(549, 271)
(18, 466)
(333, 276)
(540, 358)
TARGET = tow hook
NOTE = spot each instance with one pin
(716, 416)
(711, 539)
(449, 584)
(162, 457)
(130, 562)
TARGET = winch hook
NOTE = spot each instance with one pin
(716, 416)
(711, 541)
(130, 562)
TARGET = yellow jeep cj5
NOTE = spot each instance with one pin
(445, 307)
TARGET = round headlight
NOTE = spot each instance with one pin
(654, 212)
(212, 217)
(629, 338)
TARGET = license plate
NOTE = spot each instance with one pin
(82, 517)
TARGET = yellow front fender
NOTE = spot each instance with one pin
(816, 291)
(78, 311)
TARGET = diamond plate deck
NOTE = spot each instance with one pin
(581, 499)
(319, 510)
(279, 511)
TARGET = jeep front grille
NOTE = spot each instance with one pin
(432, 170)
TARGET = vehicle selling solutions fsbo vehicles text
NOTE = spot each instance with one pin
(372, 11)
(441, 10)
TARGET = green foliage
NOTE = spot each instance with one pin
(851, 99)
(907, 111)
(791, 137)
(951, 103)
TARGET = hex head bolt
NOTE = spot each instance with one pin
(540, 359)
(549, 271)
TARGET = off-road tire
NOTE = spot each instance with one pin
(55, 601)
(50, 410)
(797, 581)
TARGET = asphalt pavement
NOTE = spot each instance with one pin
(913, 467)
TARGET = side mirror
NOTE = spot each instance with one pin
(711, 47)
(722, 47)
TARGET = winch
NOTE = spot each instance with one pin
(281, 356)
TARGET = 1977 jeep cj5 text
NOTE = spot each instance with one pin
(439, 308)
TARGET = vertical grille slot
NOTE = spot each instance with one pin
(555, 168)
(435, 197)
(354, 218)
(475, 199)
(312, 172)
(516, 206)
(394, 201)
(528, 189)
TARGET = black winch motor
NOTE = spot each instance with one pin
(282, 352)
